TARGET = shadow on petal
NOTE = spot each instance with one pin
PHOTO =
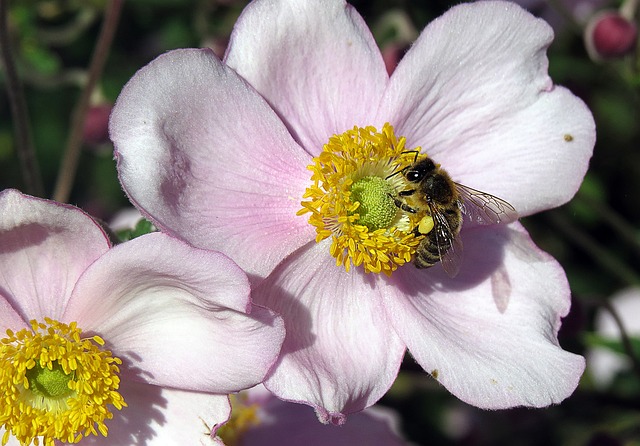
(483, 259)
(297, 317)
(137, 423)
(174, 182)
(25, 236)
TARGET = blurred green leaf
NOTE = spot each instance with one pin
(595, 340)
(142, 227)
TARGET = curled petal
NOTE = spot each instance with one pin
(490, 335)
(173, 306)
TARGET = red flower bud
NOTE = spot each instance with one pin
(96, 125)
(609, 35)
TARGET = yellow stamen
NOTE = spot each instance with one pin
(243, 417)
(352, 199)
(55, 385)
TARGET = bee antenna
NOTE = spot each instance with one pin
(415, 152)
(415, 158)
(394, 174)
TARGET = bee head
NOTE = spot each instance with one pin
(419, 170)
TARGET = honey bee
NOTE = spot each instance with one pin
(444, 202)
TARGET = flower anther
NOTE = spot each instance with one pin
(352, 199)
(56, 385)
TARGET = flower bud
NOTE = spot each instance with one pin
(609, 35)
(96, 124)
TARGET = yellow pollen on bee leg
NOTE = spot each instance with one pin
(353, 199)
(55, 385)
(426, 224)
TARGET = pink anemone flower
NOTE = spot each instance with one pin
(134, 344)
(260, 419)
(290, 156)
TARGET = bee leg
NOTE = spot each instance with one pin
(405, 207)
(406, 193)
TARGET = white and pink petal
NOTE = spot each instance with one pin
(205, 158)
(163, 305)
(315, 62)
(44, 248)
(158, 416)
(339, 354)
(475, 63)
(474, 93)
(490, 335)
(537, 159)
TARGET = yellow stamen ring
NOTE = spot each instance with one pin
(352, 199)
(55, 385)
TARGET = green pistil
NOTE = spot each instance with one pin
(377, 209)
(49, 383)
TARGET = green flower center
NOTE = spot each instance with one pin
(55, 385)
(377, 209)
(49, 383)
(350, 199)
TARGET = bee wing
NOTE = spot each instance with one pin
(483, 208)
(452, 257)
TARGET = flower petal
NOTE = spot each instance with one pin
(490, 335)
(160, 417)
(9, 318)
(538, 158)
(474, 92)
(204, 157)
(339, 354)
(315, 62)
(44, 247)
(164, 305)
(285, 423)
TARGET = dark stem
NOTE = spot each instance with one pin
(69, 165)
(626, 341)
(614, 220)
(24, 144)
(597, 252)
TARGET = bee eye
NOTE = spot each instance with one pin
(413, 176)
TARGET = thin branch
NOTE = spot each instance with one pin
(598, 254)
(69, 166)
(24, 143)
(614, 220)
(626, 341)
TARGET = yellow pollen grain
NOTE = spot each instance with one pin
(347, 158)
(35, 418)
